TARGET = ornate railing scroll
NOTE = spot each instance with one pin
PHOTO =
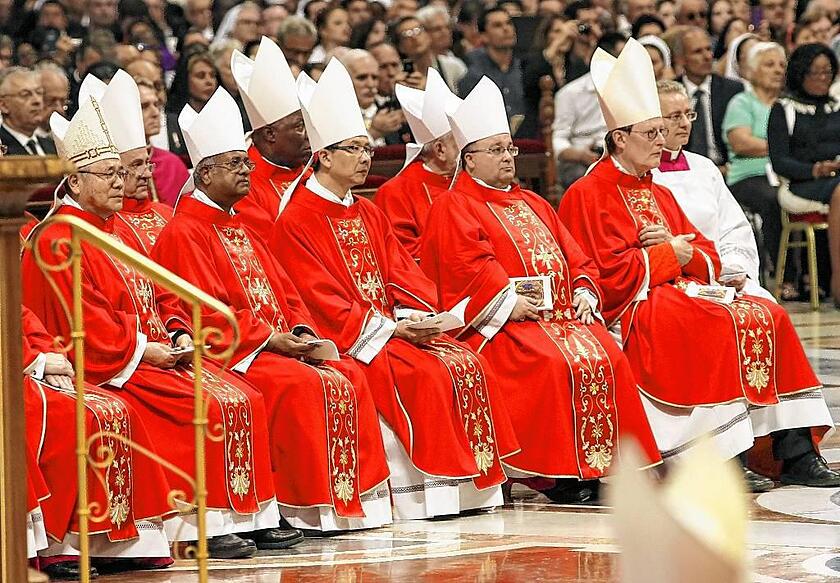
(82, 231)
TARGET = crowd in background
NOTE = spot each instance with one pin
(736, 60)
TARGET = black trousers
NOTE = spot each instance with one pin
(788, 444)
(756, 195)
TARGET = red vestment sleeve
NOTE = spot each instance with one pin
(457, 253)
(36, 339)
(664, 265)
(110, 333)
(396, 205)
(187, 254)
(405, 283)
(341, 315)
(612, 244)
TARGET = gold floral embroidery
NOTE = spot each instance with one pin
(252, 277)
(354, 243)
(643, 207)
(473, 400)
(146, 226)
(592, 379)
(756, 343)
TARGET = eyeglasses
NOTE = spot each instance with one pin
(821, 73)
(110, 176)
(497, 151)
(354, 150)
(25, 94)
(235, 164)
(676, 117)
(651, 134)
(695, 16)
(412, 32)
(140, 170)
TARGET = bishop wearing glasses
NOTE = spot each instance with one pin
(443, 420)
(533, 312)
(707, 359)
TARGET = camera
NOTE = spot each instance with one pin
(408, 66)
(584, 28)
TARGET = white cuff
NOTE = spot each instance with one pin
(125, 374)
(403, 313)
(645, 288)
(373, 338)
(491, 319)
(36, 367)
(243, 365)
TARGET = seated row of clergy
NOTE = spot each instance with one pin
(731, 398)
(570, 393)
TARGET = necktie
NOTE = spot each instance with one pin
(698, 141)
(32, 146)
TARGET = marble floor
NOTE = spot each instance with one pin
(794, 532)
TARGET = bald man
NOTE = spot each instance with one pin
(383, 121)
(22, 106)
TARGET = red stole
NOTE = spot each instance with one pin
(752, 321)
(592, 378)
(234, 404)
(145, 220)
(339, 394)
(465, 371)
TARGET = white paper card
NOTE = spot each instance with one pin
(324, 349)
(714, 293)
(444, 321)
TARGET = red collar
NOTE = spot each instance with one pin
(606, 170)
(267, 170)
(191, 207)
(467, 184)
(106, 225)
(135, 206)
(416, 171)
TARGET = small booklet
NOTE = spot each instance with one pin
(720, 294)
(536, 287)
(444, 321)
(324, 349)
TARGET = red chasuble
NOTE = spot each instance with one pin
(440, 399)
(259, 209)
(326, 444)
(406, 199)
(132, 487)
(140, 222)
(684, 352)
(569, 390)
(119, 305)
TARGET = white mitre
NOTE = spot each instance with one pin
(85, 138)
(330, 107)
(626, 85)
(120, 104)
(330, 112)
(425, 111)
(266, 84)
(216, 129)
(481, 114)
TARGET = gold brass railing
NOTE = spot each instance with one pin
(82, 231)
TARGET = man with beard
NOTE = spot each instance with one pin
(279, 146)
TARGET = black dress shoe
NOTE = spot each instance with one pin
(67, 571)
(572, 491)
(809, 470)
(274, 538)
(230, 546)
(756, 483)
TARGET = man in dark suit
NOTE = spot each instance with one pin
(709, 93)
(22, 106)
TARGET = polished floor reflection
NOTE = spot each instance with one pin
(794, 532)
